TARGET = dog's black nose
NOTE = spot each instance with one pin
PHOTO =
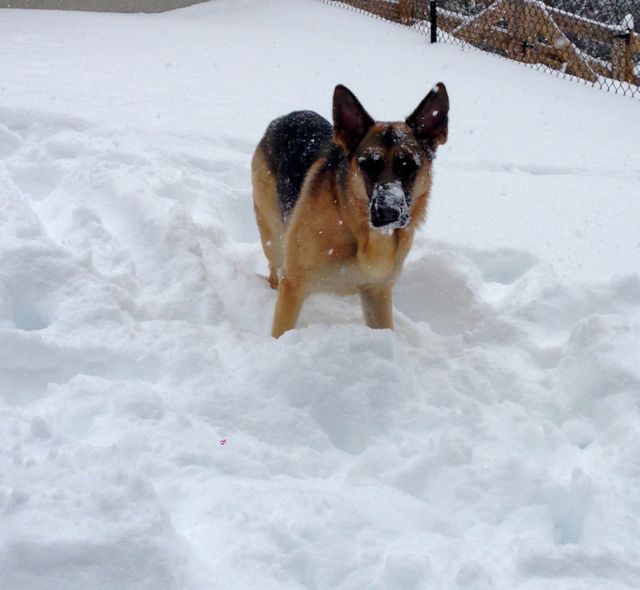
(381, 216)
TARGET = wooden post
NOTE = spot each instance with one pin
(522, 25)
(635, 42)
(622, 58)
(515, 25)
(529, 34)
(407, 11)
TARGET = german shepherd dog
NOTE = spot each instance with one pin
(337, 206)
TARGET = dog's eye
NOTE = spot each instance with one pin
(371, 166)
(405, 167)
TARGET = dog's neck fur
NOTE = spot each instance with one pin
(376, 255)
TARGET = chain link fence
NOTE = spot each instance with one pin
(593, 41)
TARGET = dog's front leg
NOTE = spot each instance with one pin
(291, 295)
(377, 306)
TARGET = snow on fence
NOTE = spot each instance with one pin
(596, 43)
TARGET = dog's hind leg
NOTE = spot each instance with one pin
(268, 214)
(271, 236)
(377, 306)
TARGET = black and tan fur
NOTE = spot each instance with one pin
(337, 206)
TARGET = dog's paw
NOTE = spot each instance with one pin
(273, 280)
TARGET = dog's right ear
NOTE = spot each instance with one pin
(350, 121)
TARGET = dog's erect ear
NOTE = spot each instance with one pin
(430, 121)
(350, 121)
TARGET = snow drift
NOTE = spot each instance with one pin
(490, 442)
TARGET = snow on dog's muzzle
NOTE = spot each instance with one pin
(389, 207)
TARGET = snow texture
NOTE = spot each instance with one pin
(152, 434)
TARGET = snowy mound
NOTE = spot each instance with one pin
(153, 435)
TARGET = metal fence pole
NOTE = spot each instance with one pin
(433, 19)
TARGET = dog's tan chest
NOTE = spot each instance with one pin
(348, 267)
(377, 257)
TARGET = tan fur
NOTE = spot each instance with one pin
(328, 244)
(265, 205)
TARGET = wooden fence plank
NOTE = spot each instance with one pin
(406, 9)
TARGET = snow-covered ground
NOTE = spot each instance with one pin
(491, 442)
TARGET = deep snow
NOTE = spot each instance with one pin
(491, 442)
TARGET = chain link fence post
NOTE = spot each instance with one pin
(433, 20)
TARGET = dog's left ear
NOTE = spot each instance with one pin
(430, 121)
(350, 121)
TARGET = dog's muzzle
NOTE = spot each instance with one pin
(389, 208)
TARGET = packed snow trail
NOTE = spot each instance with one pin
(490, 442)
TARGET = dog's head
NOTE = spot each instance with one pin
(390, 163)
